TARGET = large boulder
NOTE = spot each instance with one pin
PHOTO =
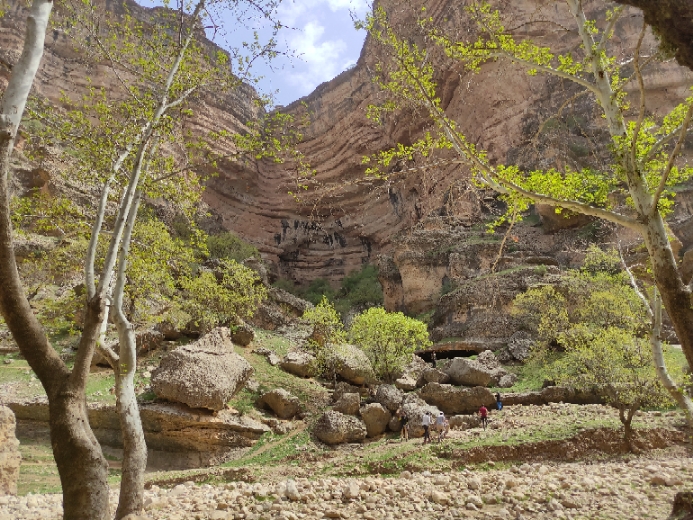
(299, 363)
(376, 417)
(464, 422)
(454, 400)
(342, 388)
(468, 372)
(411, 373)
(9, 453)
(414, 407)
(389, 396)
(281, 402)
(432, 375)
(520, 345)
(348, 404)
(337, 428)
(352, 364)
(204, 374)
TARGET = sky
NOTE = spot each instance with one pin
(321, 35)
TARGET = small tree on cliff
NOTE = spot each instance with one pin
(389, 339)
(157, 79)
(645, 151)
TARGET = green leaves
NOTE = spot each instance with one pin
(389, 339)
(221, 296)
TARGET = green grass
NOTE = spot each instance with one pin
(312, 395)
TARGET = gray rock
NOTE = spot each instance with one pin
(415, 407)
(10, 458)
(204, 374)
(468, 372)
(352, 364)
(348, 404)
(299, 363)
(455, 400)
(337, 428)
(406, 383)
(376, 417)
(432, 375)
(464, 422)
(282, 403)
(520, 345)
(343, 388)
(507, 380)
(389, 396)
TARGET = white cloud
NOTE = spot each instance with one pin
(319, 59)
(291, 11)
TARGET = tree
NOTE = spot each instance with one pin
(222, 295)
(157, 79)
(645, 150)
(389, 339)
(600, 323)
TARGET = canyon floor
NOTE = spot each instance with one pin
(558, 461)
(555, 461)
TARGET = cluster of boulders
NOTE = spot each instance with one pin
(350, 420)
(349, 363)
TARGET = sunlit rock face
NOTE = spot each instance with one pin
(345, 219)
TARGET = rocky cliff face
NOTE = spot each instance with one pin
(426, 228)
(348, 220)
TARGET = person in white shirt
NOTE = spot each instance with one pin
(426, 423)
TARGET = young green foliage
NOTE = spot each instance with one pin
(595, 317)
(221, 296)
(389, 339)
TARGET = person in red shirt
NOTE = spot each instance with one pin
(483, 412)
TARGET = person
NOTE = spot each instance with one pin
(483, 413)
(499, 403)
(440, 426)
(434, 359)
(404, 421)
(426, 423)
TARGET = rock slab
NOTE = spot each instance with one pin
(9, 453)
(281, 402)
(204, 374)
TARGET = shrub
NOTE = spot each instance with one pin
(389, 339)
(213, 298)
(227, 246)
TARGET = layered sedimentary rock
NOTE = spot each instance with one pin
(346, 219)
